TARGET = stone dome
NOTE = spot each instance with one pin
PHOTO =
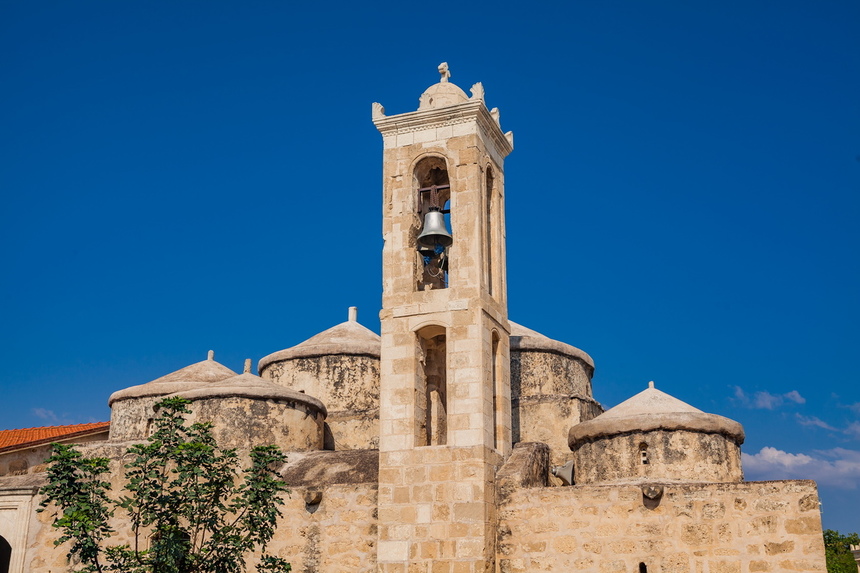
(442, 94)
(650, 410)
(656, 437)
(248, 385)
(550, 390)
(200, 373)
(246, 411)
(340, 366)
(133, 409)
(523, 338)
(349, 338)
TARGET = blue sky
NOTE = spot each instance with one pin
(682, 200)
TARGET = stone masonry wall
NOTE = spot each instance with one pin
(328, 523)
(550, 393)
(670, 454)
(348, 385)
(702, 528)
(337, 535)
(32, 460)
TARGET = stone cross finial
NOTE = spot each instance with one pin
(443, 69)
(211, 355)
(247, 366)
(651, 384)
(353, 314)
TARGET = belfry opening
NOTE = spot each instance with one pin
(433, 199)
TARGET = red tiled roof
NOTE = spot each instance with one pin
(28, 437)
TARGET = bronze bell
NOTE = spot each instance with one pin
(435, 232)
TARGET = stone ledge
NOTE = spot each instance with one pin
(325, 468)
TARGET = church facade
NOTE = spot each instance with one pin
(457, 441)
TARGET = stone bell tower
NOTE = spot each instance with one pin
(445, 403)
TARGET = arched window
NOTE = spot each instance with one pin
(489, 223)
(433, 210)
(643, 453)
(431, 410)
(5, 555)
(496, 369)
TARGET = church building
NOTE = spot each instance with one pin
(455, 440)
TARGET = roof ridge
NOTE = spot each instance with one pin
(22, 438)
(57, 426)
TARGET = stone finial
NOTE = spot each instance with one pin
(443, 70)
(353, 314)
(510, 137)
(247, 366)
(494, 113)
(651, 384)
(376, 110)
(210, 355)
(478, 91)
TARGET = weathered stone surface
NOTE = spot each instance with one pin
(133, 409)
(445, 392)
(528, 466)
(340, 366)
(671, 455)
(318, 469)
(691, 537)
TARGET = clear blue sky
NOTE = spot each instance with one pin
(683, 198)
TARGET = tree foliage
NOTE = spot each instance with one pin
(837, 549)
(181, 500)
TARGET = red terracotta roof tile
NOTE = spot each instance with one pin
(28, 437)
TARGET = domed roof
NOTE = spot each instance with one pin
(523, 338)
(650, 401)
(442, 94)
(247, 385)
(348, 337)
(651, 410)
(201, 373)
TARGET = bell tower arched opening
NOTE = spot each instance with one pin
(431, 408)
(433, 202)
(490, 216)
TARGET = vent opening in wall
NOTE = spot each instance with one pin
(642, 568)
(643, 453)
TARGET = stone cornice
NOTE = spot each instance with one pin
(700, 422)
(466, 112)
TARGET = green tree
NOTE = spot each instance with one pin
(181, 500)
(837, 549)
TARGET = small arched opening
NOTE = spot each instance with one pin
(643, 454)
(489, 221)
(431, 408)
(643, 568)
